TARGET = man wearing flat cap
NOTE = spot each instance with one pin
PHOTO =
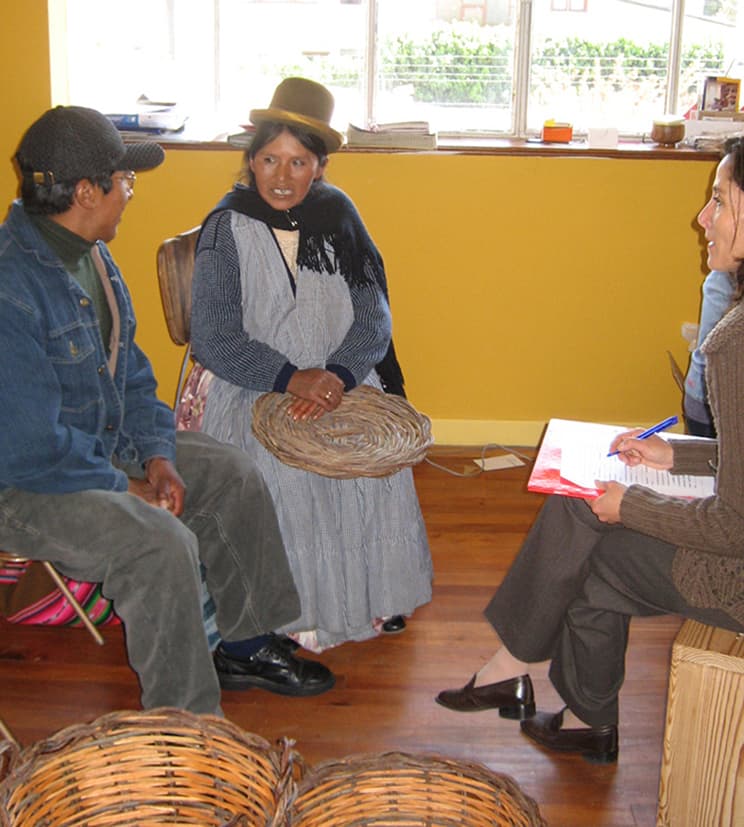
(92, 474)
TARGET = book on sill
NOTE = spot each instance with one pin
(401, 126)
(573, 455)
(244, 138)
(402, 135)
(149, 116)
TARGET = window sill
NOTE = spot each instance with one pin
(495, 146)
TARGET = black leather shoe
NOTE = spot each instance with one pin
(514, 698)
(275, 669)
(598, 745)
(289, 643)
(394, 625)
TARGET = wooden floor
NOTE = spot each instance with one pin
(383, 699)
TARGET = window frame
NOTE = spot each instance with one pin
(522, 66)
(521, 70)
(569, 5)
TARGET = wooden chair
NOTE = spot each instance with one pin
(8, 557)
(175, 264)
(677, 372)
(6, 733)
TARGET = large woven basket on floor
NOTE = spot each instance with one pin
(396, 788)
(370, 434)
(163, 766)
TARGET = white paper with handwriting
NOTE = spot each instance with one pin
(584, 460)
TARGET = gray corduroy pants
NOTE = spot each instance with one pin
(569, 596)
(147, 561)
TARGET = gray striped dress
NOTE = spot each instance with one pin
(357, 548)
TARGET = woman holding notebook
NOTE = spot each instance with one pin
(587, 566)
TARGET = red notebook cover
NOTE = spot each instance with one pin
(546, 471)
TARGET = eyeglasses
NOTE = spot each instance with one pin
(129, 177)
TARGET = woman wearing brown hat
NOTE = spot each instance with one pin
(290, 296)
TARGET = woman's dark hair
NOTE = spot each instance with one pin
(265, 134)
(734, 148)
(53, 199)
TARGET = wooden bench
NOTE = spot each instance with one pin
(702, 770)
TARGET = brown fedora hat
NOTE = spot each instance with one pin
(304, 103)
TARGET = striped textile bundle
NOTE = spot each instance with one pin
(52, 609)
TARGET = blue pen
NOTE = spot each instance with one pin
(654, 429)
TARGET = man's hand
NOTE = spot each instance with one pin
(162, 487)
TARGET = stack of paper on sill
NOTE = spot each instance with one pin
(242, 139)
(154, 117)
(573, 455)
(401, 135)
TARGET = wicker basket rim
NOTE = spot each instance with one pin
(208, 765)
(371, 433)
(361, 764)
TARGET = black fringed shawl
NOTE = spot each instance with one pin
(328, 221)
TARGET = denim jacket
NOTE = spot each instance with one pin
(66, 423)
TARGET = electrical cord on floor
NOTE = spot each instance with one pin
(479, 469)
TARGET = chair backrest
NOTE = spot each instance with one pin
(175, 272)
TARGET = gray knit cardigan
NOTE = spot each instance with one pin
(708, 568)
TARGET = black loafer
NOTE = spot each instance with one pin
(514, 698)
(289, 643)
(273, 668)
(599, 745)
(394, 625)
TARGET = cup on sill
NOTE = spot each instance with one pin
(668, 131)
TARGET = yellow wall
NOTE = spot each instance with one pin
(522, 287)
(24, 68)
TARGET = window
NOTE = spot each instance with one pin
(568, 5)
(498, 67)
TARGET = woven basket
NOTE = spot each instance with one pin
(370, 434)
(162, 766)
(413, 790)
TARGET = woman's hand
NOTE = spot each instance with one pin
(606, 507)
(653, 451)
(317, 391)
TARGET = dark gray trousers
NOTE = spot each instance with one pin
(569, 596)
(147, 561)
